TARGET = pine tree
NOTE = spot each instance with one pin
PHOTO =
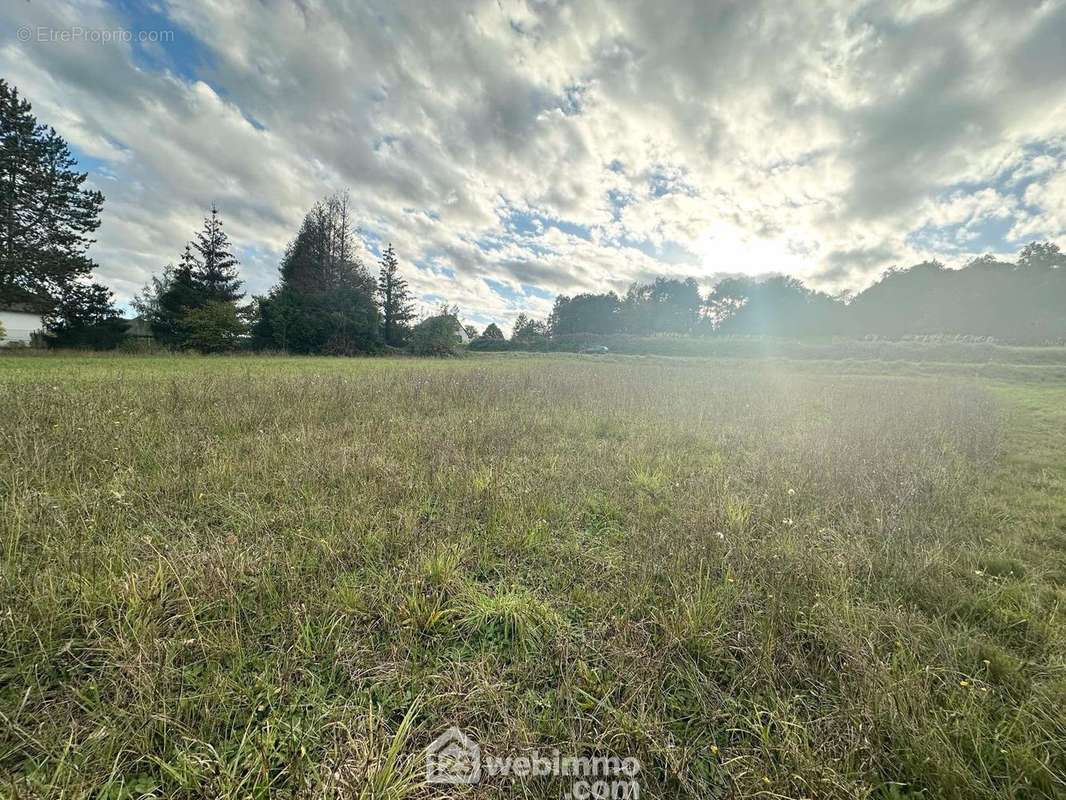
(46, 217)
(215, 268)
(397, 311)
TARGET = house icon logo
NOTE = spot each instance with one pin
(453, 757)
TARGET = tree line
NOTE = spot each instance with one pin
(327, 301)
(1023, 301)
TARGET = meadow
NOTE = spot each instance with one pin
(283, 577)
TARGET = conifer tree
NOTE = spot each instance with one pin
(46, 216)
(195, 303)
(214, 266)
(325, 301)
(397, 311)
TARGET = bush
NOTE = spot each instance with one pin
(437, 336)
(105, 335)
(489, 344)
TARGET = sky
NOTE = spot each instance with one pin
(512, 151)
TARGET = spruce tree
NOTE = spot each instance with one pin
(195, 303)
(46, 216)
(397, 310)
(215, 268)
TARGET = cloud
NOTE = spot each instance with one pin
(564, 146)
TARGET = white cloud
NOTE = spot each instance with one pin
(567, 146)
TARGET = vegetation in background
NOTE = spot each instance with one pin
(194, 305)
(437, 335)
(85, 317)
(256, 577)
(397, 310)
(328, 303)
(1021, 302)
(47, 217)
(325, 302)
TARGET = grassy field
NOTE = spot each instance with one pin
(253, 577)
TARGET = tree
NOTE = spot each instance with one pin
(667, 305)
(529, 334)
(585, 313)
(397, 311)
(1041, 255)
(436, 336)
(205, 275)
(214, 267)
(213, 327)
(46, 216)
(325, 302)
(1020, 302)
(775, 306)
(492, 331)
(85, 317)
(166, 301)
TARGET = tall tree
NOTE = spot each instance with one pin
(325, 302)
(585, 313)
(397, 310)
(529, 334)
(667, 305)
(774, 306)
(214, 266)
(46, 215)
(194, 305)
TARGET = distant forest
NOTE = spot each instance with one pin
(1023, 302)
(327, 301)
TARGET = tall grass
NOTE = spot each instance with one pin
(284, 577)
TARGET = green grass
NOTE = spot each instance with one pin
(253, 577)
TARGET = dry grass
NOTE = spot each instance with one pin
(284, 577)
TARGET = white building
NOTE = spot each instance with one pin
(19, 324)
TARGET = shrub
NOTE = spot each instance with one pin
(437, 336)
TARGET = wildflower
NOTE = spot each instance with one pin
(791, 492)
(964, 683)
(714, 749)
(787, 520)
